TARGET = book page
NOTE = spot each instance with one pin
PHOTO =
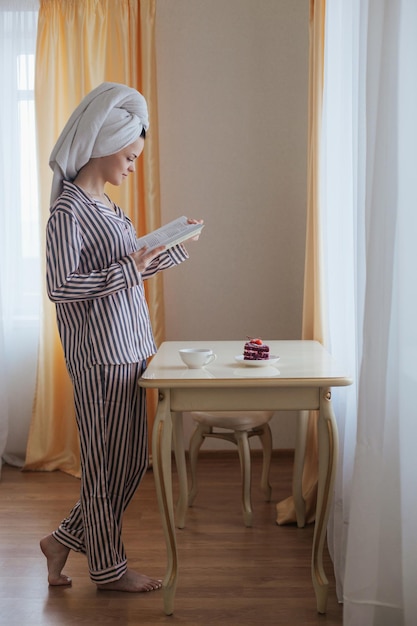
(171, 234)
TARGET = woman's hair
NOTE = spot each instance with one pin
(143, 133)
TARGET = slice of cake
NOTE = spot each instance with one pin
(255, 350)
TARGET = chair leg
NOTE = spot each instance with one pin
(245, 465)
(195, 445)
(266, 440)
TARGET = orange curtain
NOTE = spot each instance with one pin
(313, 303)
(80, 45)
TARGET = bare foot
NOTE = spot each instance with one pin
(56, 557)
(133, 583)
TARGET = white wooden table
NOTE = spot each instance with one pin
(300, 381)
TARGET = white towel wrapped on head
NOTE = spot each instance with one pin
(109, 118)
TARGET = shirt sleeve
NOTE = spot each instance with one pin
(170, 258)
(65, 283)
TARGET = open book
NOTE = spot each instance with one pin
(171, 234)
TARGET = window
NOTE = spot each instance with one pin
(19, 210)
(29, 209)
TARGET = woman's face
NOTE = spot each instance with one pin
(115, 168)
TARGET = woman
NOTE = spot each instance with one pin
(95, 276)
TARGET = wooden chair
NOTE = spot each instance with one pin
(237, 427)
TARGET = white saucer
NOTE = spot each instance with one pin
(258, 363)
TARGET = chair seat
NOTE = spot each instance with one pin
(234, 420)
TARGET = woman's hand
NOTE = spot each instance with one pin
(190, 220)
(144, 257)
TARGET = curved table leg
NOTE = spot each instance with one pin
(161, 451)
(297, 479)
(179, 451)
(328, 451)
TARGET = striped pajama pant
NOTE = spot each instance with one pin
(111, 417)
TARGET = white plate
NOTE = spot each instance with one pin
(259, 362)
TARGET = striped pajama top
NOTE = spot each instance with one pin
(101, 308)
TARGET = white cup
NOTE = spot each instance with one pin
(195, 358)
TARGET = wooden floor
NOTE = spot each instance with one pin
(229, 574)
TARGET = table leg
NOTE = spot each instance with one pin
(328, 451)
(179, 451)
(297, 479)
(161, 451)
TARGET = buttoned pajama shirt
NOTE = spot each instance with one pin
(104, 326)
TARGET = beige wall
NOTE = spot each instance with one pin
(232, 91)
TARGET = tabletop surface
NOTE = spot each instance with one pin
(301, 363)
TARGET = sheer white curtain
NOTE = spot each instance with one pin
(369, 194)
(342, 198)
(19, 229)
